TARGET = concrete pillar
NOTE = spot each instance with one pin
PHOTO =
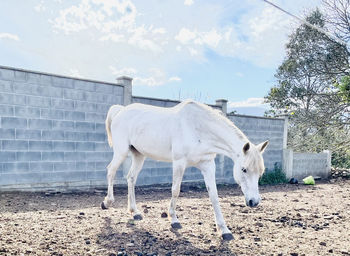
(126, 82)
(285, 132)
(222, 103)
(288, 163)
(329, 162)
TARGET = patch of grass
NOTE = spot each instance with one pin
(276, 176)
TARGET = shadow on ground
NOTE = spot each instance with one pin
(141, 242)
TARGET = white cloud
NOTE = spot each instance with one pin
(188, 2)
(75, 73)
(185, 36)
(9, 36)
(113, 21)
(250, 102)
(40, 7)
(174, 79)
(123, 71)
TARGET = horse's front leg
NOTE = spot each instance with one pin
(178, 172)
(208, 171)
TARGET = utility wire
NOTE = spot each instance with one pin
(307, 23)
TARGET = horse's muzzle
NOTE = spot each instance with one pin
(252, 202)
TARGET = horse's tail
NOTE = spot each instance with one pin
(112, 112)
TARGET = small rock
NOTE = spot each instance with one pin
(323, 243)
(257, 239)
(130, 244)
(294, 254)
(87, 242)
(145, 210)
(81, 213)
(164, 215)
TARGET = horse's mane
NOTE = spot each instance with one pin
(214, 115)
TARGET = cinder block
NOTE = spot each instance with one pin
(40, 124)
(62, 82)
(28, 134)
(85, 106)
(84, 85)
(52, 135)
(84, 126)
(64, 166)
(7, 156)
(102, 146)
(27, 112)
(104, 88)
(6, 86)
(52, 156)
(38, 101)
(96, 175)
(63, 146)
(7, 134)
(52, 114)
(74, 115)
(13, 99)
(34, 78)
(6, 110)
(118, 90)
(80, 166)
(7, 74)
(62, 104)
(40, 145)
(63, 125)
(102, 108)
(20, 75)
(19, 145)
(95, 117)
(100, 127)
(76, 136)
(99, 156)
(28, 156)
(41, 166)
(85, 146)
(96, 136)
(13, 122)
(74, 94)
(74, 156)
(15, 167)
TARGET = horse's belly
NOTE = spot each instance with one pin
(154, 145)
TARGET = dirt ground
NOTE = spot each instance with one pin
(291, 220)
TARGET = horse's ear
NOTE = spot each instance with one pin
(246, 148)
(262, 146)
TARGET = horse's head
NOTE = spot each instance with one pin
(247, 170)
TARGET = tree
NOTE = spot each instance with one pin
(309, 89)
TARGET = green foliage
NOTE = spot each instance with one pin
(313, 89)
(344, 88)
(275, 176)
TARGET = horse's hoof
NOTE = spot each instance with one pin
(138, 217)
(103, 206)
(227, 236)
(176, 225)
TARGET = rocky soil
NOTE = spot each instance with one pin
(291, 220)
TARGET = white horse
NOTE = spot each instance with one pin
(189, 134)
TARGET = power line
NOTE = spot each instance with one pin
(307, 23)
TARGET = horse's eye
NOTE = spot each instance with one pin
(244, 170)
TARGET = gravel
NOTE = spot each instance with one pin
(291, 220)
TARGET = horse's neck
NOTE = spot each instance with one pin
(227, 139)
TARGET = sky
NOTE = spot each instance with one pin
(173, 49)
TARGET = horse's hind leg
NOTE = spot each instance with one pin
(136, 166)
(112, 169)
(178, 172)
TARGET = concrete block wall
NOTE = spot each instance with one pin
(52, 133)
(259, 129)
(301, 165)
(52, 129)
